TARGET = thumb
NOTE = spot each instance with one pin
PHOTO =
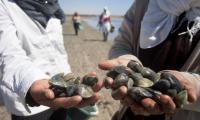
(108, 64)
(49, 94)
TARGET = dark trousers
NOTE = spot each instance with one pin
(60, 114)
(76, 28)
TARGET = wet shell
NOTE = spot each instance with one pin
(135, 66)
(162, 85)
(58, 80)
(174, 83)
(120, 80)
(85, 91)
(139, 81)
(90, 80)
(68, 85)
(115, 71)
(69, 76)
(181, 99)
(150, 74)
(139, 93)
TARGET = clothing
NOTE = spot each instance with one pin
(154, 31)
(127, 44)
(106, 21)
(42, 11)
(46, 115)
(28, 52)
(76, 23)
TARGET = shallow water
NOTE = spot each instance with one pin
(93, 21)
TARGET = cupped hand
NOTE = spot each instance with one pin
(147, 106)
(43, 95)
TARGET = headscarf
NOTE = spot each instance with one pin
(107, 12)
(42, 10)
(161, 16)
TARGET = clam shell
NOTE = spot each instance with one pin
(139, 93)
(57, 80)
(162, 85)
(174, 83)
(90, 80)
(135, 66)
(115, 71)
(150, 74)
(181, 99)
(69, 76)
(85, 91)
(139, 81)
(120, 80)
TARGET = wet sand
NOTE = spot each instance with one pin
(84, 53)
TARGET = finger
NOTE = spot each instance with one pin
(138, 109)
(127, 101)
(168, 106)
(97, 87)
(64, 102)
(90, 101)
(192, 97)
(120, 93)
(151, 106)
(108, 64)
(93, 73)
(108, 82)
(48, 94)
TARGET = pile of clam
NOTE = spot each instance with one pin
(142, 82)
(69, 85)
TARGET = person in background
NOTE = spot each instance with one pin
(161, 35)
(31, 52)
(105, 23)
(76, 22)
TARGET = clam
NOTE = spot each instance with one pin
(139, 93)
(69, 85)
(140, 81)
(120, 80)
(135, 66)
(90, 80)
(174, 83)
(85, 91)
(150, 74)
(181, 98)
(115, 71)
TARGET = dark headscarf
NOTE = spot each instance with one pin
(42, 10)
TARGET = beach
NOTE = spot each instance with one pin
(85, 51)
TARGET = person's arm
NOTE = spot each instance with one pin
(20, 75)
(122, 44)
(18, 71)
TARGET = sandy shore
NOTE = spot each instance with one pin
(84, 52)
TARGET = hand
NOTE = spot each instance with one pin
(44, 96)
(147, 106)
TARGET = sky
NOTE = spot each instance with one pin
(116, 7)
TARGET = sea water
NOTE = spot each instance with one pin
(93, 22)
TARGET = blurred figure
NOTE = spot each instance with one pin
(76, 21)
(105, 23)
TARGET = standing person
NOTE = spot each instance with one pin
(76, 22)
(31, 52)
(105, 23)
(160, 34)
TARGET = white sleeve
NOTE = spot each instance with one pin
(18, 71)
